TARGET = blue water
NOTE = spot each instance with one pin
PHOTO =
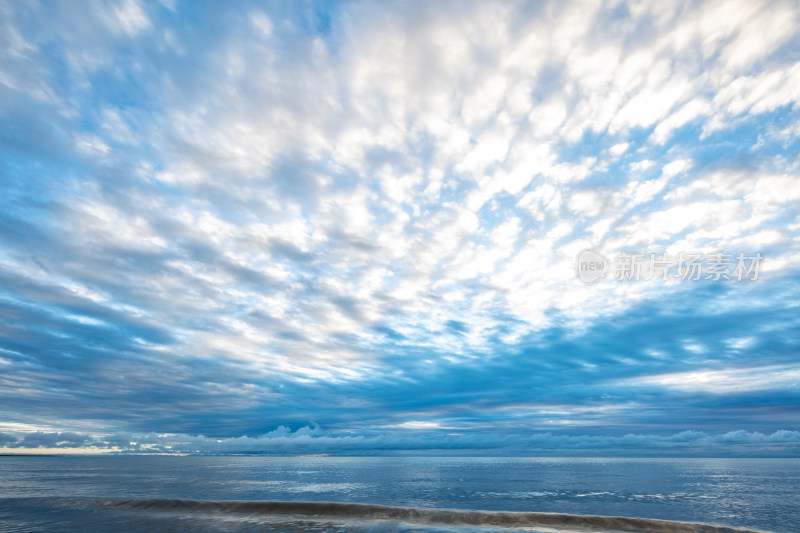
(55, 493)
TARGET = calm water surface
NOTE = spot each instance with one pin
(55, 493)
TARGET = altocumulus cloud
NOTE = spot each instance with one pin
(221, 220)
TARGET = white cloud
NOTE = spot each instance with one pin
(489, 134)
(129, 17)
(724, 381)
(618, 149)
(262, 23)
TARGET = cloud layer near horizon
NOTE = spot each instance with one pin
(309, 440)
(219, 220)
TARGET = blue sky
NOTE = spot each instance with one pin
(317, 227)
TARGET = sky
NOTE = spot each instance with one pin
(369, 227)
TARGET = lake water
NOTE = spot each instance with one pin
(93, 493)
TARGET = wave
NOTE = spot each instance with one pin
(417, 515)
